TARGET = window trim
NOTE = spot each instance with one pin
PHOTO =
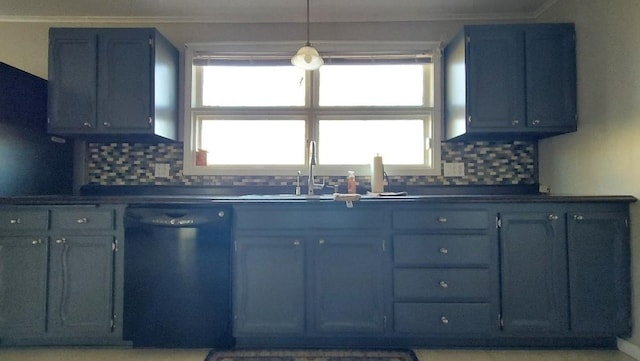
(191, 114)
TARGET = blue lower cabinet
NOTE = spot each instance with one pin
(269, 286)
(61, 275)
(599, 272)
(533, 269)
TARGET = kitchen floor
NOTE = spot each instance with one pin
(111, 354)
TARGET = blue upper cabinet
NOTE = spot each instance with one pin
(112, 83)
(510, 82)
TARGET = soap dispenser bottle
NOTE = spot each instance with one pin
(351, 182)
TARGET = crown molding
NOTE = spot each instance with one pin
(216, 20)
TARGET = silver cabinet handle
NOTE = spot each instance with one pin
(442, 219)
(321, 241)
(443, 250)
(86, 124)
(443, 284)
(444, 320)
(296, 243)
(578, 217)
(106, 124)
(16, 221)
(553, 217)
(221, 214)
(515, 122)
(536, 122)
(82, 220)
(61, 240)
(36, 241)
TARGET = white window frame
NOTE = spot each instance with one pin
(192, 115)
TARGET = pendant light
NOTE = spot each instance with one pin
(307, 56)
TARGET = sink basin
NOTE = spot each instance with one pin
(286, 196)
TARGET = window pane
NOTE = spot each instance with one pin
(247, 86)
(372, 85)
(258, 142)
(358, 141)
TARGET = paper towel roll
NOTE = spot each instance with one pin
(377, 175)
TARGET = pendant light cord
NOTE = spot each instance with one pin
(308, 43)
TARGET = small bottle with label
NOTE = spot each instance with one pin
(351, 182)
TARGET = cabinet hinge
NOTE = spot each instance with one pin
(384, 245)
(500, 321)
(113, 323)
(498, 222)
(114, 245)
(468, 39)
(150, 121)
(469, 120)
(151, 42)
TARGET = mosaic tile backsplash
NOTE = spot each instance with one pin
(486, 163)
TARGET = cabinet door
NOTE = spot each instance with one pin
(534, 273)
(124, 80)
(23, 277)
(268, 285)
(349, 284)
(81, 300)
(599, 273)
(72, 80)
(551, 76)
(496, 80)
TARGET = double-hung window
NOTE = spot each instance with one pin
(253, 113)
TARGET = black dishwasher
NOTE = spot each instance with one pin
(177, 276)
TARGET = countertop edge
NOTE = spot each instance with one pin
(258, 199)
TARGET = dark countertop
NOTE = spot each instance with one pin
(201, 200)
(202, 195)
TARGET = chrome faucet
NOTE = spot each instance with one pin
(311, 184)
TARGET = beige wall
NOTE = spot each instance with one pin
(603, 157)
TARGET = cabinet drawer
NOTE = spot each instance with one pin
(441, 250)
(24, 219)
(331, 216)
(439, 284)
(83, 219)
(442, 318)
(445, 219)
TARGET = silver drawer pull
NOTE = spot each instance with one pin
(16, 221)
(444, 320)
(296, 243)
(443, 250)
(61, 240)
(36, 241)
(443, 284)
(221, 214)
(553, 217)
(321, 241)
(578, 218)
(86, 124)
(442, 219)
(82, 220)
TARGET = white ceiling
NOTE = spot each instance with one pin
(266, 11)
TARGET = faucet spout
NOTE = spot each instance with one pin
(311, 184)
